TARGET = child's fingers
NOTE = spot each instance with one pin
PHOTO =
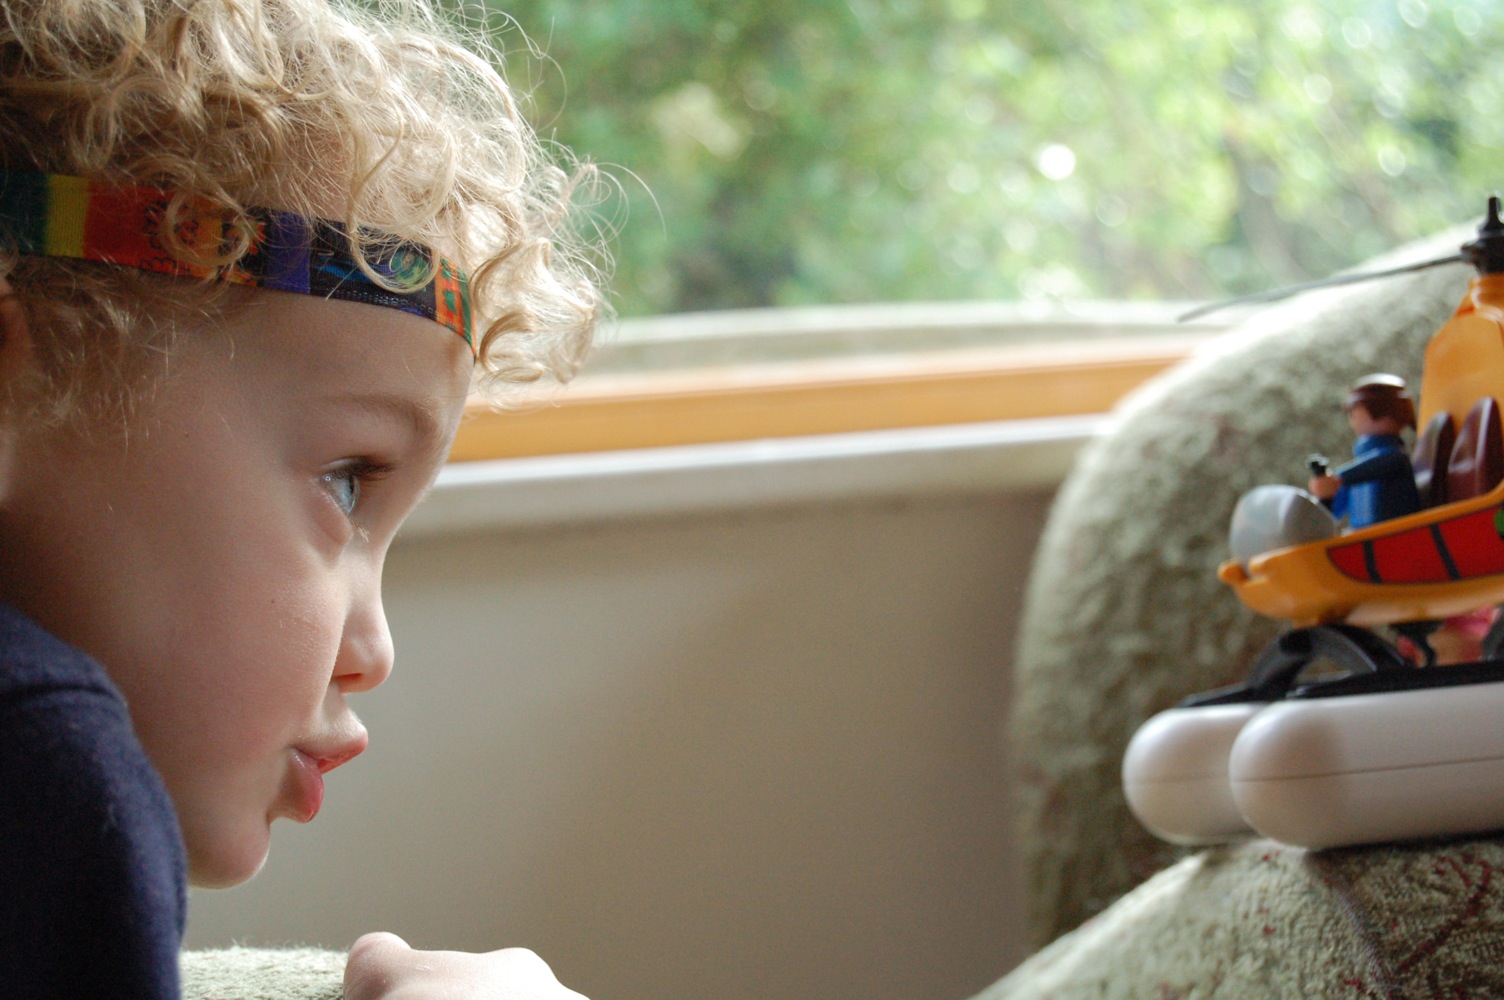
(383, 966)
(372, 968)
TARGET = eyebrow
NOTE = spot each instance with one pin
(420, 416)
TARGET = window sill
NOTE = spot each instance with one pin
(997, 459)
(837, 371)
(839, 406)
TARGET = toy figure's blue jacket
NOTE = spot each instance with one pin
(92, 868)
(1379, 483)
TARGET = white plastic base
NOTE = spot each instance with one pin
(1324, 772)
(1368, 768)
(1175, 773)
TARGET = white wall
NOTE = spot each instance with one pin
(716, 749)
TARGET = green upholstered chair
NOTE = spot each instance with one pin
(1125, 617)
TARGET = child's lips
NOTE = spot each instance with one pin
(307, 788)
(328, 758)
(309, 767)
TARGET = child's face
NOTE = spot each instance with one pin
(219, 562)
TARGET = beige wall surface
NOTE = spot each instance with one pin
(737, 755)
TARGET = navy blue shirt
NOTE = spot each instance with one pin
(92, 867)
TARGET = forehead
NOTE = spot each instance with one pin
(305, 349)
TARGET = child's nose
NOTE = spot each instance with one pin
(365, 650)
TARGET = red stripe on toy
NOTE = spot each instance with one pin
(1475, 544)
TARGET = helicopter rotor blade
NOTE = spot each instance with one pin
(1276, 294)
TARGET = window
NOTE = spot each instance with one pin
(1049, 155)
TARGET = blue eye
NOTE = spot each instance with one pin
(344, 486)
(347, 483)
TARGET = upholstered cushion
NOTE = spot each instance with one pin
(1263, 921)
(263, 974)
(1124, 615)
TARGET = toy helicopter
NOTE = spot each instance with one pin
(1389, 748)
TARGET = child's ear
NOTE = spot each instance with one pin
(15, 364)
(15, 335)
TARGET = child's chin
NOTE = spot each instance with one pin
(222, 866)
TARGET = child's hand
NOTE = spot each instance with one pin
(383, 967)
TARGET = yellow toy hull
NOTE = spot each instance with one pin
(1430, 565)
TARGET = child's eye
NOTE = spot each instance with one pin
(344, 486)
(344, 483)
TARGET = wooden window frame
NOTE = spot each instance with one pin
(619, 410)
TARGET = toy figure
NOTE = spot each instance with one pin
(1379, 483)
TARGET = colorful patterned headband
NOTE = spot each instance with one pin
(52, 215)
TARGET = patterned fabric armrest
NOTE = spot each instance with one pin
(1261, 921)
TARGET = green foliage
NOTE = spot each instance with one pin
(778, 152)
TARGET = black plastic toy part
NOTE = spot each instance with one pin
(1372, 666)
(1486, 253)
(1274, 673)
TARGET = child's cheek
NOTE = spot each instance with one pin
(260, 646)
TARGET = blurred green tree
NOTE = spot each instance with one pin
(775, 152)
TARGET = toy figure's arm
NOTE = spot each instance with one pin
(1388, 465)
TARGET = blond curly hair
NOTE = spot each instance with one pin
(289, 104)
